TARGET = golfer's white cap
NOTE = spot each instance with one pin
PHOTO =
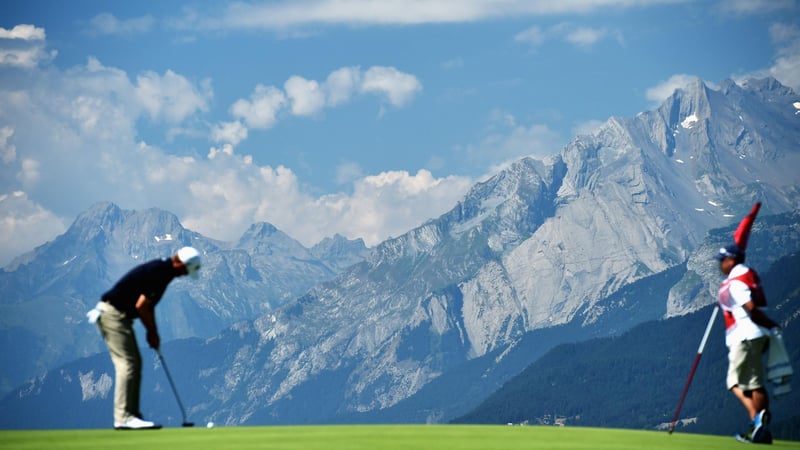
(190, 258)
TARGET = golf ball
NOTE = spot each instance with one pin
(210, 425)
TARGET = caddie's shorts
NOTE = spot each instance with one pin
(745, 364)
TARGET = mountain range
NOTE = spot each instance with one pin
(613, 231)
(59, 281)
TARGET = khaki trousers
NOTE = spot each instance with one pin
(117, 330)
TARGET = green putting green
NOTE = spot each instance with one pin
(369, 437)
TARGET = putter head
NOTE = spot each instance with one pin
(188, 424)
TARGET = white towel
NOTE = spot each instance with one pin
(779, 368)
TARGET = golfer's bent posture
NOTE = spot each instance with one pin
(136, 295)
(747, 331)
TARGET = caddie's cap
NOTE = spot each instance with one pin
(190, 258)
(730, 251)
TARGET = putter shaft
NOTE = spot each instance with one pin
(174, 390)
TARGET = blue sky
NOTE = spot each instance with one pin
(363, 118)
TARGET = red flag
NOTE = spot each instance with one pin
(743, 231)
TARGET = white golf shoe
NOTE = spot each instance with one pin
(135, 423)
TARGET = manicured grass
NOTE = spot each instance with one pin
(372, 437)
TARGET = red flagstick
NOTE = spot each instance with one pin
(694, 368)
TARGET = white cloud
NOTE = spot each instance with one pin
(91, 152)
(787, 62)
(389, 204)
(341, 84)
(29, 172)
(24, 225)
(108, 24)
(284, 15)
(171, 97)
(533, 36)
(348, 172)
(8, 151)
(585, 36)
(657, 94)
(506, 140)
(306, 97)
(24, 47)
(262, 109)
(226, 149)
(224, 204)
(398, 87)
(23, 32)
(229, 132)
(90, 148)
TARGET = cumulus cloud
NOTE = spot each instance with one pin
(304, 97)
(229, 132)
(261, 110)
(23, 32)
(506, 140)
(24, 224)
(24, 47)
(227, 199)
(391, 203)
(388, 204)
(787, 62)
(92, 153)
(226, 149)
(397, 87)
(171, 97)
(29, 172)
(341, 84)
(8, 151)
(90, 150)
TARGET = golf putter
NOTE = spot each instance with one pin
(174, 391)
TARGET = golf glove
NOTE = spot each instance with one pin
(93, 315)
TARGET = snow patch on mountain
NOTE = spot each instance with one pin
(94, 388)
(689, 121)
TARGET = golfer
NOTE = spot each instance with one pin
(136, 294)
(747, 331)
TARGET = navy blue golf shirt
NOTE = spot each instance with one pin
(150, 278)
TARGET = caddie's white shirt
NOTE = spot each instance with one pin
(745, 328)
